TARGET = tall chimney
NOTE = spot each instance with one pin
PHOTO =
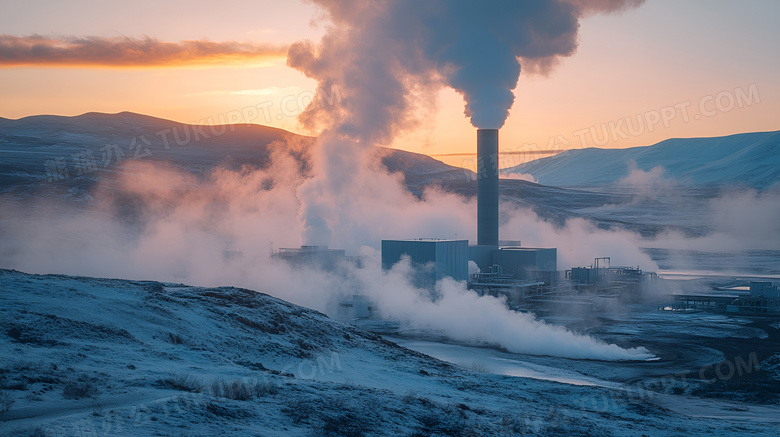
(487, 187)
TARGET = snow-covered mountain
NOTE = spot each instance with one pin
(85, 356)
(67, 157)
(750, 159)
(77, 152)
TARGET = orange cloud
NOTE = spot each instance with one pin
(128, 52)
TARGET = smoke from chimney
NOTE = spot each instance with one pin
(388, 56)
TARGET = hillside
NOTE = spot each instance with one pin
(48, 157)
(749, 159)
(31, 147)
(94, 146)
(115, 357)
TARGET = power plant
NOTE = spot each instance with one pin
(527, 277)
(501, 264)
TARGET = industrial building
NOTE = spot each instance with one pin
(525, 263)
(506, 267)
(757, 298)
(432, 259)
(358, 307)
(535, 285)
(315, 256)
(527, 277)
(607, 281)
(508, 261)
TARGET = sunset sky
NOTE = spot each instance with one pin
(690, 68)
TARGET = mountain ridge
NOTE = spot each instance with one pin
(33, 148)
(739, 159)
(29, 143)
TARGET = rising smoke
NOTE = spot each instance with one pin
(383, 53)
(161, 224)
(388, 56)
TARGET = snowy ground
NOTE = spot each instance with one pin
(698, 353)
(100, 357)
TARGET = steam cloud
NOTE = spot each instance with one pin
(125, 51)
(158, 223)
(389, 57)
(386, 54)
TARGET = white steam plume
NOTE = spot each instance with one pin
(382, 53)
(389, 57)
(461, 314)
(162, 225)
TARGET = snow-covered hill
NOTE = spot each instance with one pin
(78, 152)
(85, 356)
(751, 159)
(67, 158)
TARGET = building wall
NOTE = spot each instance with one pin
(584, 275)
(312, 256)
(452, 259)
(482, 256)
(432, 260)
(763, 289)
(526, 262)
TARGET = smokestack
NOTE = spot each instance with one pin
(487, 187)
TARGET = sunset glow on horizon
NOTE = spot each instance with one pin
(662, 70)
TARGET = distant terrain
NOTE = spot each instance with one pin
(749, 160)
(67, 158)
(33, 147)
